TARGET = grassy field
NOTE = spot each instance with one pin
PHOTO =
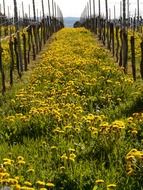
(74, 123)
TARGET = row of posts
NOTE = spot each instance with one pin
(27, 42)
(114, 34)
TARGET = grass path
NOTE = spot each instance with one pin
(69, 125)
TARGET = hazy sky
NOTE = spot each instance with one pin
(72, 7)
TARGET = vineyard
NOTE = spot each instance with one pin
(71, 104)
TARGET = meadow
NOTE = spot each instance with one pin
(74, 122)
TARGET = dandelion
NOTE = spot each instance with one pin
(134, 132)
(111, 186)
(7, 164)
(64, 157)
(49, 184)
(41, 183)
(27, 183)
(54, 147)
(17, 187)
(62, 168)
(71, 149)
(31, 170)
(21, 162)
(99, 181)
(20, 158)
(130, 172)
(26, 188)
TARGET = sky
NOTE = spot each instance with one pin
(71, 8)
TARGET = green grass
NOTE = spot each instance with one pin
(71, 119)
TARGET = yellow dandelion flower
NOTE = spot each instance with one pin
(71, 149)
(64, 157)
(21, 162)
(130, 172)
(130, 157)
(134, 132)
(26, 188)
(7, 163)
(62, 168)
(49, 184)
(72, 156)
(20, 158)
(54, 147)
(31, 170)
(27, 183)
(12, 181)
(99, 181)
(4, 175)
(40, 183)
(111, 186)
(17, 187)
(71, 159)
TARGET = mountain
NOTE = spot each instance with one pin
(69, 21)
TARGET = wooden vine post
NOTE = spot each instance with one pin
(18, 37)
(24, 51)
(93, 15)
(35, 27)
(118, 43)
(107, 34)
(12, 60)
(138, 14)
(43, 22)
(23, 14)
(128, 11)
(125, 39)
(90, 17)
(6, 24)
(53, 17)
(49, 18)
(141, 63)
(87, 15)
(1, 66)
(99, 18)
(133, 57)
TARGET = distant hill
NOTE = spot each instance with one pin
(69, 21)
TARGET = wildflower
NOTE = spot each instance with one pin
(130, 172)
(30, 170)
(50, 184)
(27, 183)
(41, 183)
(26, 188)
(134, 132)
(62, 168)
(12, 181)
(44, 143)
(7, 163)
(64, 157)
(99, 181)
(17, 187)
(54, 147)
(4, 175)
(7, 160)
(72, 156)
(20, 158)
(21, 162)
(130, 119)
(130, 157)
(71, 149)
(111, 186)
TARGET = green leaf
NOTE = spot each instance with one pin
(95, 187)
